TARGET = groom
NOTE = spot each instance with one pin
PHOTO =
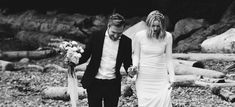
(108, 50)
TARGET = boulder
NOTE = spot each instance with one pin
(185, 26)
(223, 43)
(192, 43)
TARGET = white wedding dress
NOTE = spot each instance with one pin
(152, 84)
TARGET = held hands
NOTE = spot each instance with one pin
(132, 71)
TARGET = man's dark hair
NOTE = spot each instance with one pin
(116, 20)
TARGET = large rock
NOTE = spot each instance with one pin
(223, 43)
(192, 43)
(185, 26)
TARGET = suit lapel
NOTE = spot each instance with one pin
(100, 45)
(119, 54)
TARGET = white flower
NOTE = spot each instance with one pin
(81, 50)
(74, 43)
(73, 56)
(72, 51)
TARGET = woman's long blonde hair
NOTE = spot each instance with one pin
(156, 16)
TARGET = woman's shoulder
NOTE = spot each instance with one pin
(168, 35)
(140, 34)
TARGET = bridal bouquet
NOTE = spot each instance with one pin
(70, 49)
(72, 52)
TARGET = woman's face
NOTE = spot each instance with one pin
(156, 27)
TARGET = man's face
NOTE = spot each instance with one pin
(156, 27)
(115, 32)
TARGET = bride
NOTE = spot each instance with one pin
(153, 59)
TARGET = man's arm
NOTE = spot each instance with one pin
(87, 51)
(128, 58)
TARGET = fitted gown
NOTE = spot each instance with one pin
(152, 84)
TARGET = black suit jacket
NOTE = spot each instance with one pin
(94, 49)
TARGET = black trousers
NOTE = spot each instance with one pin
(103, 91)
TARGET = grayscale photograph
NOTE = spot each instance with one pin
(117, 53)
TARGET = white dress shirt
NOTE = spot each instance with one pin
(108, 59)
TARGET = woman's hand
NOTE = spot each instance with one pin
(172, 83)
(132, 71)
